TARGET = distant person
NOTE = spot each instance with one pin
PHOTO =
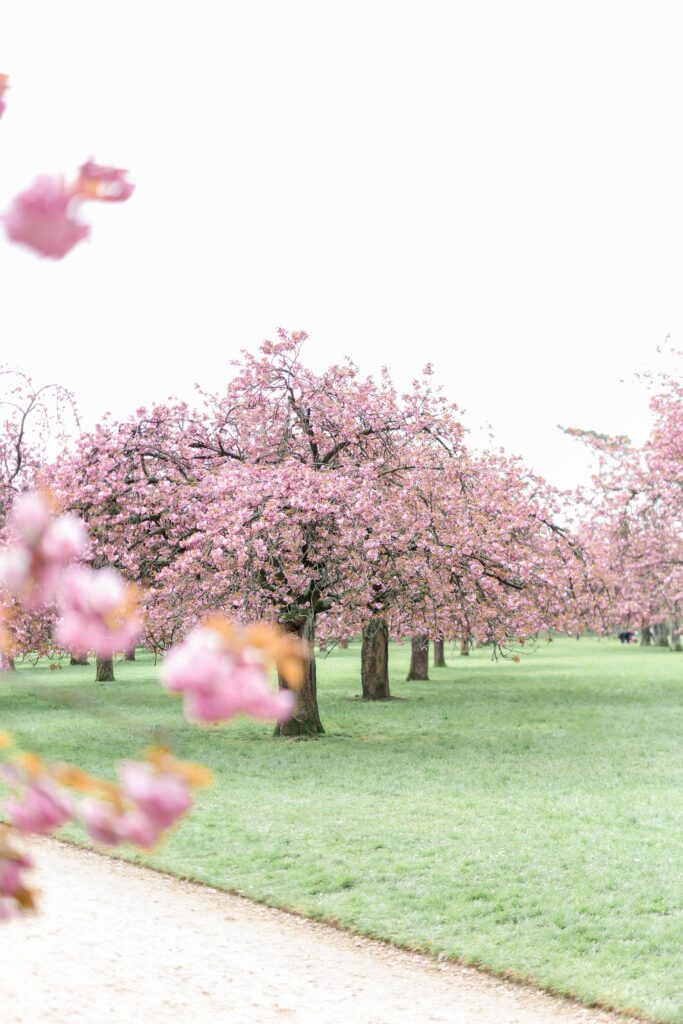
(627, 636)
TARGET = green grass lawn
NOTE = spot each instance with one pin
(527, 817)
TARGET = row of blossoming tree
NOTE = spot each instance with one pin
(327, 503)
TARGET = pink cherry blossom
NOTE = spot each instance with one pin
(219, 683)
(4, 85)
(99, 612)
(64, 541)
(107, 184)
(101, 820)
(41, 545)
(44, 218)
(11, 874)
(14, 893)
(138, 828)
(162, 796)
(29, 518)
(8, 907)
(43, 809)
(150, 801)
(15, 569)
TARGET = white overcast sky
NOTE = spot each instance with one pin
(493, 187)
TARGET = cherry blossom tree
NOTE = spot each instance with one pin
(33, 419)
(271, 498)
(632, 523)
(497, 562)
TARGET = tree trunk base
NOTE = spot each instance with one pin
(439, 655)
(661, 632)
(374, 660)
(419, 659)
(104, 671)
(79, 659)
(306, 718)
(299, 727)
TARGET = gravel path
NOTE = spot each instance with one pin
(125, 945)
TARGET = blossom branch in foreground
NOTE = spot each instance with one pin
(150, 798)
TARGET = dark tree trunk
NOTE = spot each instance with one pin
(419, 658)
(79, 659)
(6, 663)
(465, 645)
(675, 638)
(662, 634)
(306, 718)
(130, 654)
(439, 656)
(344, 644)
(105, 670)
(645, 635)
(374, 660)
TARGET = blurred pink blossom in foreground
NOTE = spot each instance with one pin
(98, 609)
(150, 798)
(45, 217)
(42, 809)
(14, 893)
(219, 683)
(4, 84)
(108, 184)
(41, 546)
(154, 802)
(162, 796)
(99, 612)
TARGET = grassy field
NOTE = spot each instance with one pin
(527, 817)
